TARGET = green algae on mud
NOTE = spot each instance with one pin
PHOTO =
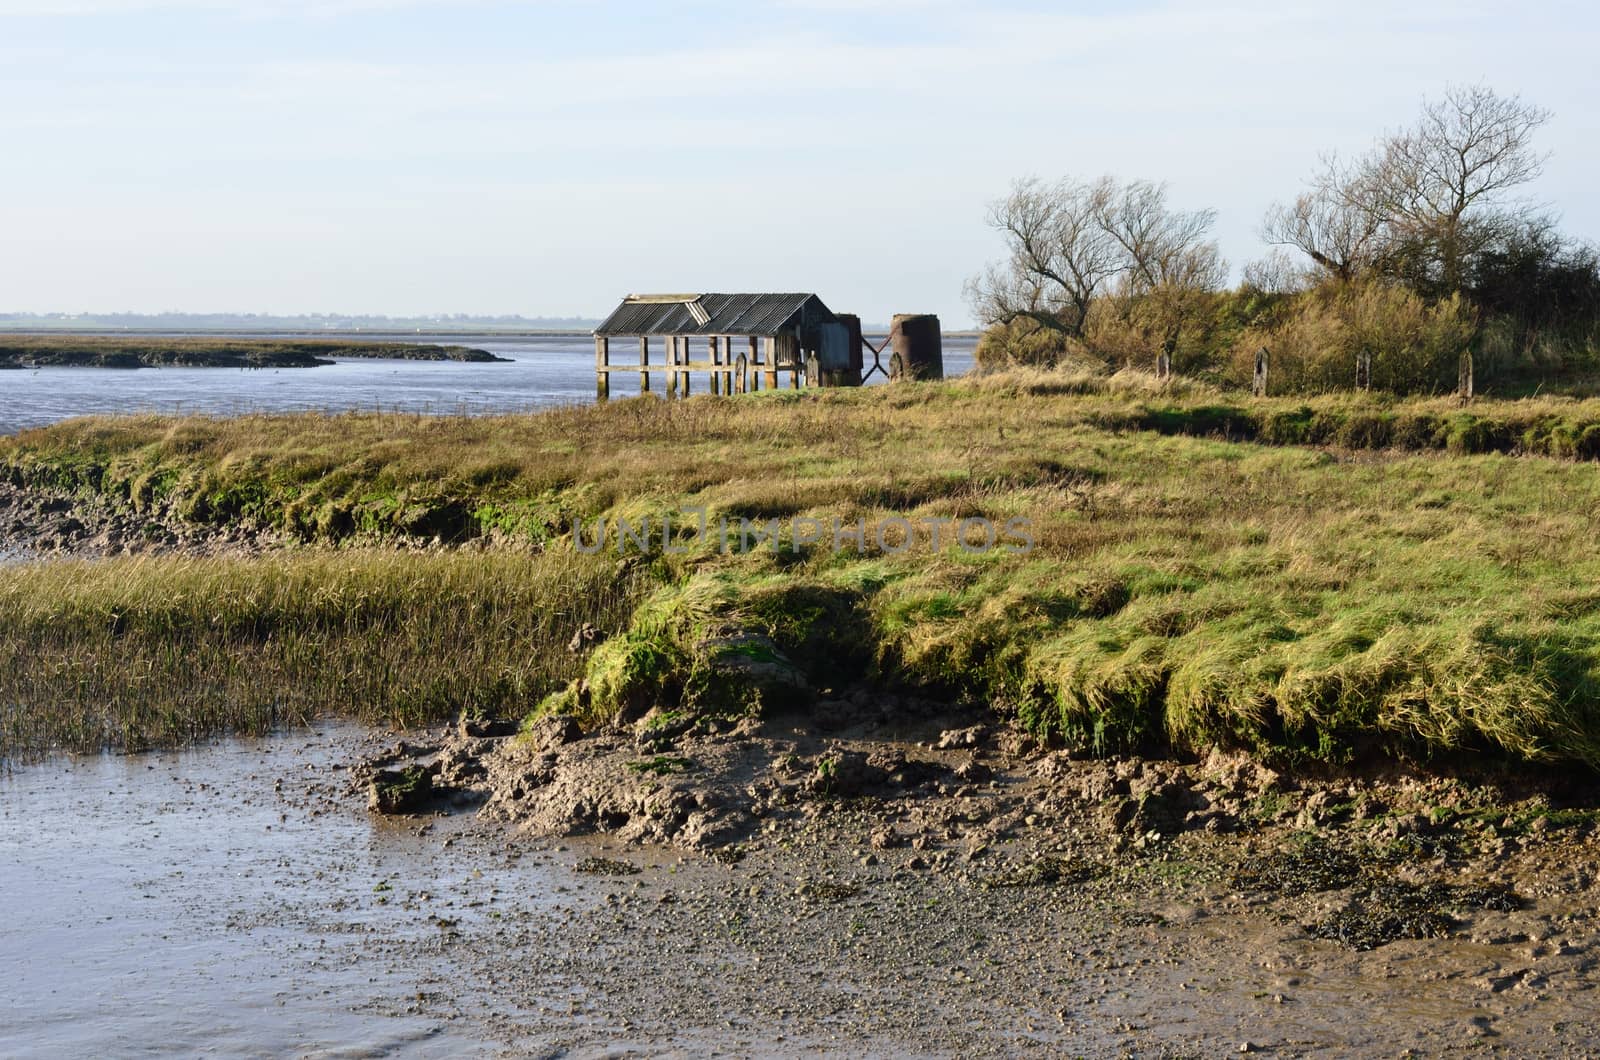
(1335, 595)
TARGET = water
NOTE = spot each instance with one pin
(544, 370)
(186, 903)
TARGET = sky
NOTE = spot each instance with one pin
(546, 157)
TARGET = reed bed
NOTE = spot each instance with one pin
(133, 653)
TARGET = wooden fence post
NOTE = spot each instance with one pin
(644, 364)
(602, 360)
(716, 363)
(1464, 381)
(1258, 385)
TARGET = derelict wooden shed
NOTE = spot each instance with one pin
(749, 339)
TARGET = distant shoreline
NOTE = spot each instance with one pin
(24, 351)
(332, 335)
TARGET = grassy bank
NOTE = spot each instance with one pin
(115, 351)
(1419, 589)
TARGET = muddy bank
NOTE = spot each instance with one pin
(915, 880)
(43, 523)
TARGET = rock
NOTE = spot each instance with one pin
(886, 839)
(1015, 744)
(900, 771)
(553, 730)
(1102, 785)
(1239, 773)
(469, 728)
(395, 791)
(660, 728)
(1161, 811)
(844, 774)
(746, 666)
(959, 739)
(974, 772)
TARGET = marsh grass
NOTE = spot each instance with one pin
(1382, 577)
(133, 653)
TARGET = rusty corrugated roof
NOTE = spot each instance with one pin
(724, 314)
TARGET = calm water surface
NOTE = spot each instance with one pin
(227, 901)
(543, 371)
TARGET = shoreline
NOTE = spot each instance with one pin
(20, 351)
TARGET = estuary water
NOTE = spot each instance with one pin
(229, 900)
(543, 370)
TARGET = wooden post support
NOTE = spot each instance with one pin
(741, 374)
(716, 359)
(752, 375)
(644, 364)
(813, 369)
(672, 371)
(771, 381)
(602, 360)
(684, 356)
(1258, 386)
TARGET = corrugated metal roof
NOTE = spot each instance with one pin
(724, 314)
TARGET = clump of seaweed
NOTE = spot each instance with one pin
(1386, 910)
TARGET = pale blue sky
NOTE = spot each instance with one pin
(546, 157)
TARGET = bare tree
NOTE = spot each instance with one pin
(1339, 224)
(1059, 257)
(1168, 264)
(1073, 245)
(1277, 273)
(1160, 246)
(1426, 200)
(1450, 175)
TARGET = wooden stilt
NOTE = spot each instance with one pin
(752, 374)
(716, 359)
(771, 381)
(644, 364)
(672, 361)
(742, 374)
(602, 360)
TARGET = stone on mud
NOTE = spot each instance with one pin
(552, 730)
(742, 668)
(962, 739)
(845, 774)
(470, 728)
(396, 791)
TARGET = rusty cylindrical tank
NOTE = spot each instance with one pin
(850, 376)
(918, 346)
